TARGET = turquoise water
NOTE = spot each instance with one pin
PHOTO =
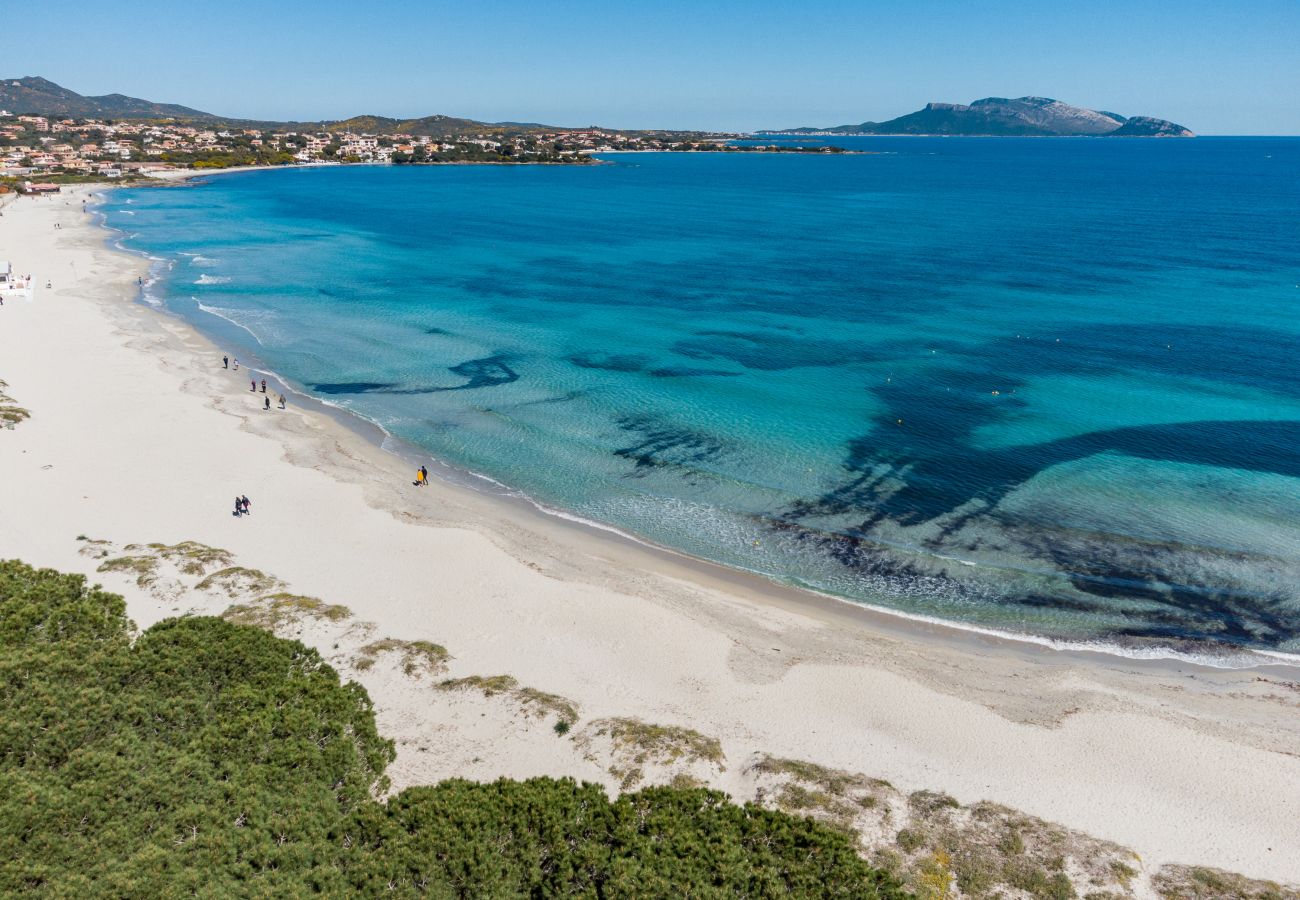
(1040, 386)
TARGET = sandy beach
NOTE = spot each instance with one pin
(138, 435)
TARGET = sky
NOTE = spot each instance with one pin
(1215, 67)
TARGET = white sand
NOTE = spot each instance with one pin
(138, 435)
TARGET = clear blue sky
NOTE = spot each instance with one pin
(1216, 67)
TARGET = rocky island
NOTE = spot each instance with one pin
(1001, 117)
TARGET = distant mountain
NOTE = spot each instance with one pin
(432, 126)
(40, 97)
(36, 96)
(998, 116)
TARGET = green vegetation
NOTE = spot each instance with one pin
(987, 848)
(237, 580)
(832, 795)
(228, 158)
(190, 557)
(418, 657)
(637, 744)
(1200, 883)
(144, 568)
(488, 684)
(10, 412)
(543, 704)
(943, 850)
(535, 702)
(275, 611)
(216, 760)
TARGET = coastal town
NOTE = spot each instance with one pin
(69, 149)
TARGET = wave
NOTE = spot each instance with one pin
(212, 279)
(235, 317)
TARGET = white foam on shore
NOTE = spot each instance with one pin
(1230, 658)
(229, 315)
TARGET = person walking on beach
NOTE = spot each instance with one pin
(282, 401)
(236, 363)
(267, 401)
(424, 475)
(225, 362)
(263, 385)
(239, 507)
(244, 502)
(252, 386)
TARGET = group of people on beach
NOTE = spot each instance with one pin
(252, 383)
(252, 387)
(241, 503)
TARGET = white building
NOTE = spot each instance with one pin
(11, 284)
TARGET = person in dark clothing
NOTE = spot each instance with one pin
(239, 506)
(244, 500)
(252, 386)
(263, 385)
(225, 362)
(267, 401)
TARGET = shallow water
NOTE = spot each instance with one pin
(1044, 386)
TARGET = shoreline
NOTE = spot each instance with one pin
(772, 588)
(613, 625)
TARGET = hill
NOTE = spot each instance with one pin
(38, 96)
(433, 126)
(1002, 117)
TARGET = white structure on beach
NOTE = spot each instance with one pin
(10, 283)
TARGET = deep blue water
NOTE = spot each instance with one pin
(1048, 386)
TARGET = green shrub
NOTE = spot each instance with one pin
(214, 759)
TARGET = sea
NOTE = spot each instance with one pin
(1044, 387)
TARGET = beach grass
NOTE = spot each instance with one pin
(637, 744)
(275, 611)
(144, 568)
(190, 557)
(545, 704)
(10, 412)
(534, 702)
(835, 796)
(418, 657)
(1176, 882)
(240, 581)
(489, 685)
